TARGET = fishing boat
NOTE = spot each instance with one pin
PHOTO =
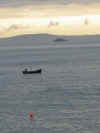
(37, 71)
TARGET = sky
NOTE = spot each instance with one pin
(62, 17)
(10, 3)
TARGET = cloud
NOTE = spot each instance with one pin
(37, 11)
(21, 19)
(53, 24)
(65, 26)
(13, 27)
(18, 3)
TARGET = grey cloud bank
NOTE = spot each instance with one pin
(9, 3)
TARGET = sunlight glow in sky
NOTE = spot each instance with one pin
(51, 18)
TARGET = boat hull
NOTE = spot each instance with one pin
(39, 71)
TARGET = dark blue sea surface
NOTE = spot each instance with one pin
(65, 98)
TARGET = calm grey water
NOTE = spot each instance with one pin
(64, 99)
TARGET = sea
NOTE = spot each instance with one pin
(65, 98)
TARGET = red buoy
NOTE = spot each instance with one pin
(31, 115)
